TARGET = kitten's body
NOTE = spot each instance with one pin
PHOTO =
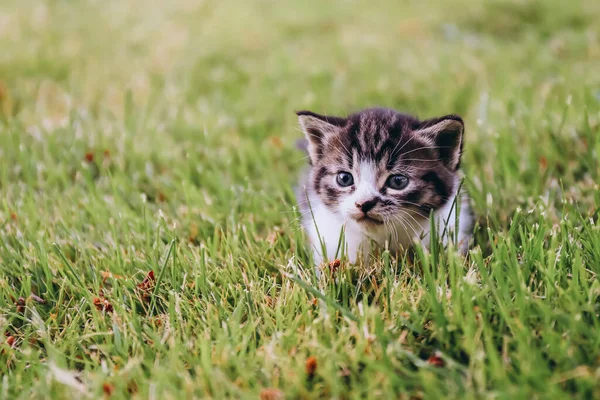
(373, 147)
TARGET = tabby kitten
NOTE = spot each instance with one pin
(377, 175)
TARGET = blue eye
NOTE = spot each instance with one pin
(397, 182)
(344, 179)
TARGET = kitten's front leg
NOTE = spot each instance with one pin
(324, 232)
(352, 252)
(338, 241)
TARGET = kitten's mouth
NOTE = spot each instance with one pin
(366, 219)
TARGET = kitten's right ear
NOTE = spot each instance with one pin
(446, 136)
(317, 128)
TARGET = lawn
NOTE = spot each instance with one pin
(149, 242)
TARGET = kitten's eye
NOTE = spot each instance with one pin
(397, 182)
(344, 179)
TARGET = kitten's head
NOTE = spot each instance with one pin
(378, 165)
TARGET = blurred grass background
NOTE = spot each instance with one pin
(125, 125)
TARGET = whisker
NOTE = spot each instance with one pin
(405, 224)
(426, 147)
(418, 211)
(410, 202)
(396, 219)
(401, 216)
(393, 231)
(422, 159)
(416, 223)
(403, 146)
(393, 220)
(410, 168)
(348, 152)
(416, 170)
(396, 235)
(413, 218)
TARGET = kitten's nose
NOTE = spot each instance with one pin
(367, 205)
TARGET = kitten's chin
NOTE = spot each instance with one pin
(367, 221)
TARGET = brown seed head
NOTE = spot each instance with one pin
(311, 366)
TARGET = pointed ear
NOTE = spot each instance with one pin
(317, 129)
(446, 134)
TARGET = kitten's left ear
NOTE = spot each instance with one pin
(445, 133)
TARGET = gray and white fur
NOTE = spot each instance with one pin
(378, 175)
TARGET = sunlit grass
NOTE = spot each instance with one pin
(138, 139)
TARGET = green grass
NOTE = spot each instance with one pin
(138, 138)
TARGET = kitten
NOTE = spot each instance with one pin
(377, 175)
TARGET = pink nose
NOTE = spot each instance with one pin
(367, 205)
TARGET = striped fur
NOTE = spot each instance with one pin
(372, 145)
